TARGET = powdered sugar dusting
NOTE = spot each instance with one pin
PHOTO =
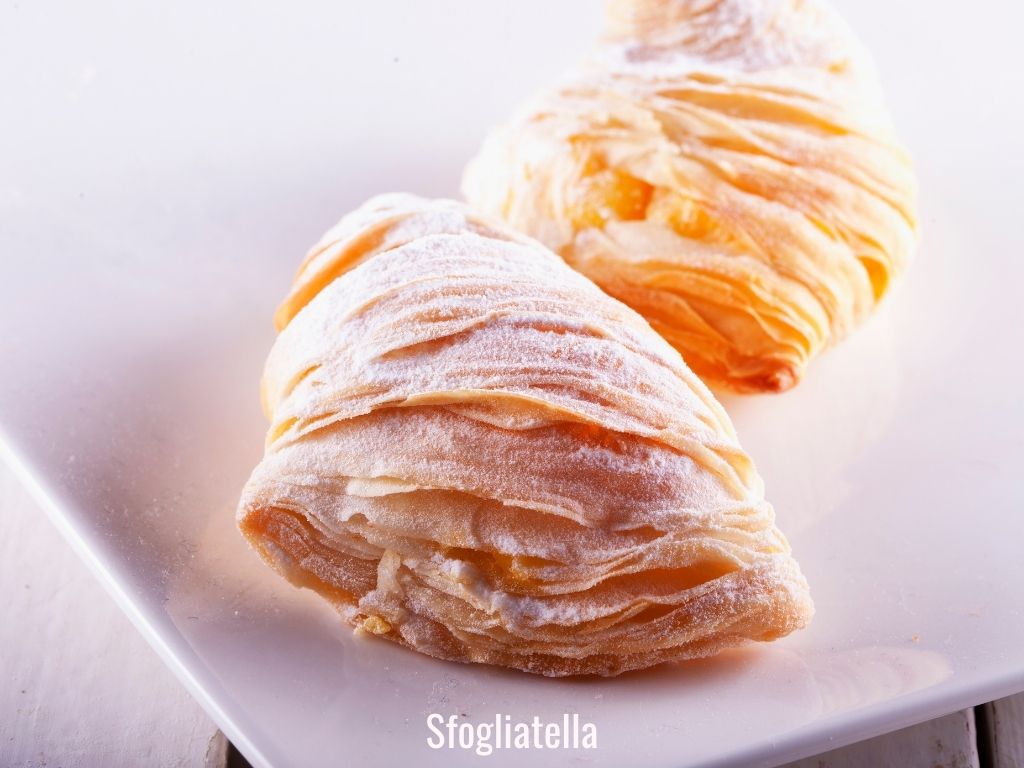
(725, 167)
(547, 484)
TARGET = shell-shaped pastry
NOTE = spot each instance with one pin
(476, 453)
(726, 168)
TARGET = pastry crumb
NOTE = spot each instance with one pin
(375, 625)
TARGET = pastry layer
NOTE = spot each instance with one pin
(476, 453)
(726, 168)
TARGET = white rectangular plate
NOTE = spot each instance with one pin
(163, 169)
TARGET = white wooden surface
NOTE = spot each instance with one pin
(78, 685)
(1005, 732)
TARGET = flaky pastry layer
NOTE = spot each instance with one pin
(726, 168)
(476, 453)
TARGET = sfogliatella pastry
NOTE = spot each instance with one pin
(726, 168)
(476, 453)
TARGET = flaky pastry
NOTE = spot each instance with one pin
(726, 168)
(476, 453)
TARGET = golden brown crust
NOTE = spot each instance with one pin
(476, 453)
(725, 167)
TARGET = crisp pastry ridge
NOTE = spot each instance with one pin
(476, 453)
(725, 167)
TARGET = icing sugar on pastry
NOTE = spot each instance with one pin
(726, 168)
(476, 453)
